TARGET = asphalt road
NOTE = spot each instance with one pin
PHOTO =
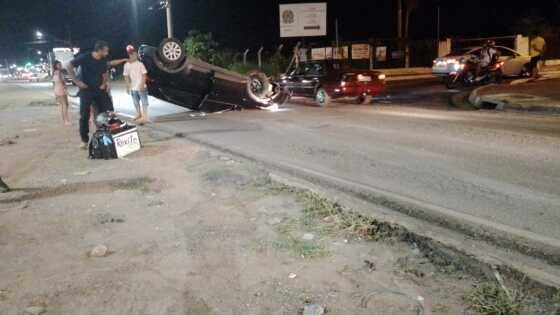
(500, 167)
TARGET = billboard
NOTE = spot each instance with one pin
(381, 53)
(319, 54)
(360, 51)
(340, 53)
(302, 20)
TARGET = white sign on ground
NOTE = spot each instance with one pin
(126, 142)
(304, 19)
(360, 51)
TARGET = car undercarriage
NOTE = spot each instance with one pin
(199, 86)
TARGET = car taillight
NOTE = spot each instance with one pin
(382, 76)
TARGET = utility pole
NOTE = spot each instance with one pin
(336, 31)
(438, 24)
(399, 19)
(169, 13)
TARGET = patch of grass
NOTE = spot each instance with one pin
(492, 299)
(336, 218)
(140, 184)
(294, 245)
(326, 217)
(215, 175)
(298, 247)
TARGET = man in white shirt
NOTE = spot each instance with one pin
(136, 75)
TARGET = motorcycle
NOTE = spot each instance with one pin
(466, 73)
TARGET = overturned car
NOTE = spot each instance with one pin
(200, 86)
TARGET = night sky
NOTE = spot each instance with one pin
(246, 23)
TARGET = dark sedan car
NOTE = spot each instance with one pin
(328, 80)
(200, 86)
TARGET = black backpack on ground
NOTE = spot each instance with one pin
(101, 145)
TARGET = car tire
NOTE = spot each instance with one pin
(171, 53)
(451, 82)
(259, 86)
(322, 98)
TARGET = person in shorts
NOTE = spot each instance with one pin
(136, 75)
(60, 92)
(92, 84)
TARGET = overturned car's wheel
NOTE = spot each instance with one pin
(171, 53)
(259, 86)
(261, 90)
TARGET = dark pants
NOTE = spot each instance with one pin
(90, 99)
(534, 64)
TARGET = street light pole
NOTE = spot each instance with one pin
(169, 14)
(438, 23)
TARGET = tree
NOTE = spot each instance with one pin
(533, 23)
(201, 45)
(411, 5)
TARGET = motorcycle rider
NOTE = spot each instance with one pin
(488, 54)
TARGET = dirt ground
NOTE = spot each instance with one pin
(188, 231)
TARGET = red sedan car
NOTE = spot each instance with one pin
(328, 80)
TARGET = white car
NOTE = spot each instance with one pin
(515, 64)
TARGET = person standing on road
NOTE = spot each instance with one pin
(538, 47)
(487, 55)
(92, 84)
(60, 92)
(136, 75)
(3, 187)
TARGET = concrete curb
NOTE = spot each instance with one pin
(478, 101)
(525, 242)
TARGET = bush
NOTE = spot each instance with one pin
(204, 47)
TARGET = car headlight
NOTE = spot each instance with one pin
(382, 76)
(458, 66)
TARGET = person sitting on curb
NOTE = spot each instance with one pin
(3, 187)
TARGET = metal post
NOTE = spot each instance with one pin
(245, 56)
(259, 56)
(399, 19)
(169, 14)
(336, 30)
(295, 57)
(370, 57)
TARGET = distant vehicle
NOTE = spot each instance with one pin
(328, 80)
(34, 76)
(514, 65)
(4, 74)
(203, 87)
(65, 55)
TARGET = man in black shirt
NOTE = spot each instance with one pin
(92, 84)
